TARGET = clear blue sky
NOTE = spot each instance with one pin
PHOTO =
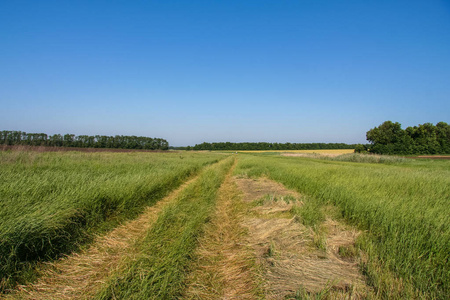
(195, 71)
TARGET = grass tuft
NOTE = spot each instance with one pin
(310, 213)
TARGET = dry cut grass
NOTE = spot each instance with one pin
(224, 268)
(402, 210)
(298, 261)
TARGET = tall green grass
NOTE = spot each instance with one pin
(51, 202)
(165, 254)
(404, 210)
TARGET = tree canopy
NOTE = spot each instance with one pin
(82, 141)
(390, 138)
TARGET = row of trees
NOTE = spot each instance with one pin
(269, 146)
(82, 141)
(390, 138)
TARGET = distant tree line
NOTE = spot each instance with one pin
(82, 141)
(269, 146)
(390, 138)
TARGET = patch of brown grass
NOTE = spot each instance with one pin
(287, 251)
(224, 267)
(255, 189)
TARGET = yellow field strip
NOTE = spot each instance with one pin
(320, 151)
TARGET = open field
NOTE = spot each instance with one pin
(434, 156)
(403, 208)
(246, 226)
(52, 201)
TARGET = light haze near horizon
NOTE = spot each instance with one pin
(217, 71)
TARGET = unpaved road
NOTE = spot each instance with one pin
(253, 248)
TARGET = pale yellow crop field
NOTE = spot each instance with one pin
(320, 151)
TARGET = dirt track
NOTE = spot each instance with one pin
(254, 247)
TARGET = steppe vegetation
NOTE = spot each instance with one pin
(161, 267)
(51, 202)
(340, 155)
(403, 210)
(249, 225)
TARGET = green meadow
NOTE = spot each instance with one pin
(52, 204)
(403, 209)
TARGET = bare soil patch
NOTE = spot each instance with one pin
(285, 248)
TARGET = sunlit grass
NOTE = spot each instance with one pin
(403, 209)
(52, 202)
(159, 271)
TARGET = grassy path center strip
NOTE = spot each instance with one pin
(160, 268)
(224, 267)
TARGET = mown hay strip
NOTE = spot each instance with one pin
(402, 210)
(292, 266)
(79, 276)
(164, 256)
(223, 268)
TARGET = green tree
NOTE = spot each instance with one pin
(389, 138)
(360, 149)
